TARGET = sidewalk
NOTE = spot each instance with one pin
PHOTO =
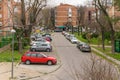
(25, 72)
(18, 73)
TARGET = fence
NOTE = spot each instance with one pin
(5, 38)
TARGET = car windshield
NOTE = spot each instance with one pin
(74, 38)
(86, 45)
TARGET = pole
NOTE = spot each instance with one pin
(12, 56)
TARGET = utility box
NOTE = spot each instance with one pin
(117, 45)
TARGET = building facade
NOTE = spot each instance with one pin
(8, 9)
(65, 14)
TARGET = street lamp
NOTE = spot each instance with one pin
(13, 32)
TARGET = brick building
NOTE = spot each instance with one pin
(64, 14)
(6, 15)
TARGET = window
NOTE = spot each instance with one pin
(0, 23)
(16, 9)
(44, 44)
(33, 55)
(28, 54)
(0, 8)
(39, 55)
(0, 15)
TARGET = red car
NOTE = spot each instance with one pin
(36, 57)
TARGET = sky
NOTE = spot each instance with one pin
(72, 2)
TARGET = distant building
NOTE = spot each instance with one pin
(65, 14)
(6, 15)
(115, 13)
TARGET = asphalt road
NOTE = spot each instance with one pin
(72, 60)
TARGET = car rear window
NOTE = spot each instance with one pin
(44, 44)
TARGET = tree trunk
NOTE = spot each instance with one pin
(78, 30)
(20, 45)
(103, 39)
(72, 29)
(113, 41)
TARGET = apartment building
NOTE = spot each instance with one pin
(115, 13)
(65, 13)
(112, 11)
(5, 14)
(7, 9)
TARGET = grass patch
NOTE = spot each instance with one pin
(6, 56)
(107, 51)
(95, 41)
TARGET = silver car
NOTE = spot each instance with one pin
(73, 40)
(83, 46)
(41, 47)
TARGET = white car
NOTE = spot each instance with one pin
(74, 40)
(39, 41)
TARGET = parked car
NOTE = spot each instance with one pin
(41, 47)
(73, 40)
(39, 41)
(83, 46)
(36, 57)
(69, 36)
(46, 34)
(58, 30)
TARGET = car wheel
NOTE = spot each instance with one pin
(48, 50)
(27, 62)
(49, 63)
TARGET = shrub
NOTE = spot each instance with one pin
(107, 35)
(117, 35)
(26, 41)
(84, 35)
(94, 35)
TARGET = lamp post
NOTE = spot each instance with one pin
(12, 31)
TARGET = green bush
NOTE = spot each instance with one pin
(95, 35)
(5, 41)
(15, 46)
(84, 35)
(26, 41)
(107, 35)
(117, 35)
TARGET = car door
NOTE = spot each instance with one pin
(43, 46)
(33, 58)
(41, 58)
(38, 46)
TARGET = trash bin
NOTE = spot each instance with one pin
(117, 45)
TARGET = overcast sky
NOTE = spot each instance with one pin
(72, 2)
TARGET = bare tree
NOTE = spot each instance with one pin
(47, 16)
(99, 69)
(102, 5)
(29, 15)
(81, 17)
